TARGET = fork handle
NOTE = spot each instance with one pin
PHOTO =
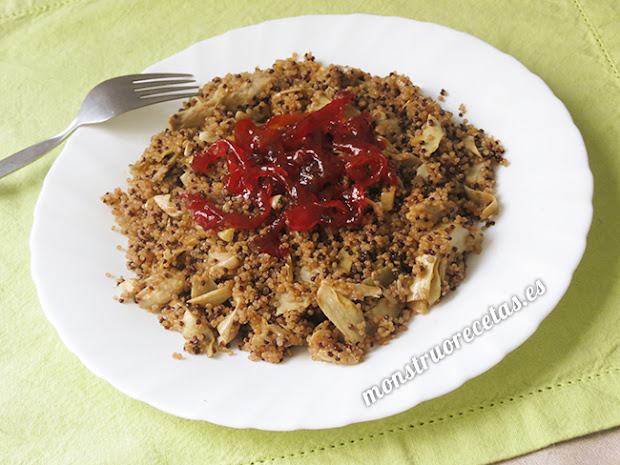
(29, 154)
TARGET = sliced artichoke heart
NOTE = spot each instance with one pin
(343, 313)
(315, 344)
(129, 288)
(163, 202)
(470, 144)
(387, 198)
(192, 117)
(186, 179)
(459, 235)
(246, 92)
(439, 273)
(475, 174)
(487, 202)
(306, 275)
(227, 235)
(215, 297)
(159, 291)
(287, 303)
(385, 276)
(161, 172)
(202, 286)
(320, 101)
(359, 291)
(164, 153)
(421, 287)
(432, 133)
(208, 136)
(224, 261)
(423, 171)
(228, 328)
(191, 328)
(386, 306)
(345, 261)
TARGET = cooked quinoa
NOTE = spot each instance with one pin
(340, 290)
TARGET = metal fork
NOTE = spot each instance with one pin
(106, 100)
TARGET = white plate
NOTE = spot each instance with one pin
(545, 198)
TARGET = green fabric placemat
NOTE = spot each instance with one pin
(563, 382)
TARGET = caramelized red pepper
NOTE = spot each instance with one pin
(303, 156)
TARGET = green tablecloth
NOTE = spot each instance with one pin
(563, 382)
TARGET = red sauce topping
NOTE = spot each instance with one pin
(307, 157)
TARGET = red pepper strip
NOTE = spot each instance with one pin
(208, 216)
(366, 164)
(301, 133)
(240, 221)
(270, 242)
(202, 160)
(205, 214)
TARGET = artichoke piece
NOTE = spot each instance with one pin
(431, 210)
(385, 276)
(275, 201)
(343, 313)
(129, 288)
(188, 147)
(345, 261)
(475, 174)
(228, 328)
(432, 133)
(215, 297)
(361, 291)
(245, 93)
(387, 199)
(225, 261)
(439, 273)
(423, 172)
(161, 172)
(208, 136)
(419, 307)
(290, 90)
(470, 144)
(192, 117)
(386, 306)
(287, 303)
(288, 270)
(278, 330)
(186, 179)
(202, 286)
(320, 336)
(164, 153)
(227, 234)
(163, 202)
(191, 329)
(321, 101)
(421, 287)
(159, 291)
(459, 235)
(487, 202)
(390, 128)
(427, 284)
(405, 160)
(306, 275)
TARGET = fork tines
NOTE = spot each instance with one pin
(164, 85)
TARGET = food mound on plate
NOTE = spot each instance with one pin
(303, 205)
